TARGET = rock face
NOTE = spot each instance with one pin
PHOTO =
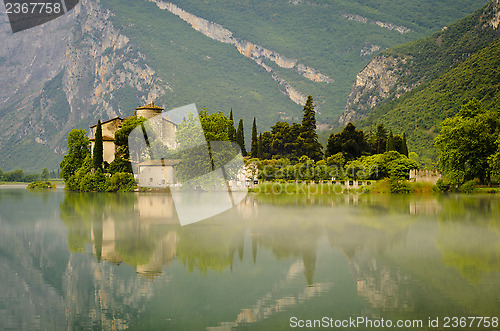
(66, 74)
(389, 26)
(253, 51)
(377, 81)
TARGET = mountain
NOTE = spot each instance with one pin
(414, 87)
(260, 57)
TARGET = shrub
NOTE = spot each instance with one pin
(468, 187)
(399, 185)
(121, 182)
(43, 185)
(443, 186)
(94, 182)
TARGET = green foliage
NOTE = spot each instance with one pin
(308, 138)
(121, 136)
(400, 168)
(41, 185)
(119, 165)
(404, 146)
(350, 142)
(198, 157)
(240, 138)
(93, 182)
(14, 176)
(420, 111)
(292, 141)
(254, 149)
(231, 129)
(78, 150)
(468, 187)
(467, 145)
(121, 182)
(98, 147)
(398, 185)
(216, 126)
(391, 143)
(45, 174)
(392, 164)
(336, 160)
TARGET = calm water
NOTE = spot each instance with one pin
(110, 261)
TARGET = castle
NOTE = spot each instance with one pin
(149, 111)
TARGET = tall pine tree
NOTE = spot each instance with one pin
(391, 143)
(404, 150)
(254, 147)
(98, 147)
(240, 138)
(310, 144)
(260, 147)
(232, 131)
(381, 139)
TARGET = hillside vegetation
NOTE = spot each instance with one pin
(419, 112)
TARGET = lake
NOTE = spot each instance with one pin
(72, 261)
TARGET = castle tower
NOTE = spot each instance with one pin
(148, 111)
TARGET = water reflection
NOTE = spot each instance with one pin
(119, 261)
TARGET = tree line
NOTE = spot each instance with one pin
(18, 175)
(285, 145)
(292, 141)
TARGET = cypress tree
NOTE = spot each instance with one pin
(98, 147)
(310, 146)
(232, 131)
(391, 143)
(260, 147)
(405, 147)
(254, 147)
(381, 139)
(240, 138)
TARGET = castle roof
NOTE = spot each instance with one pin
(150, 106)
(110, 120)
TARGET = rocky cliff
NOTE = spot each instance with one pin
(69, 73)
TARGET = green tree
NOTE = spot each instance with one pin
(337, 160)
(381, 140)
(391, 143)
(216, 126)
(265, 142)
(240, 138)
(231, 130)
(14, 176)
(466, 143)
(194, 135)
(254, 146)
(404, 147)
(284, 140)
(310, 145)
(121, 136)
(350, 142)
(45, 174)
(260, 148)
(78, 149)
(1, 174)
(98, 147)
